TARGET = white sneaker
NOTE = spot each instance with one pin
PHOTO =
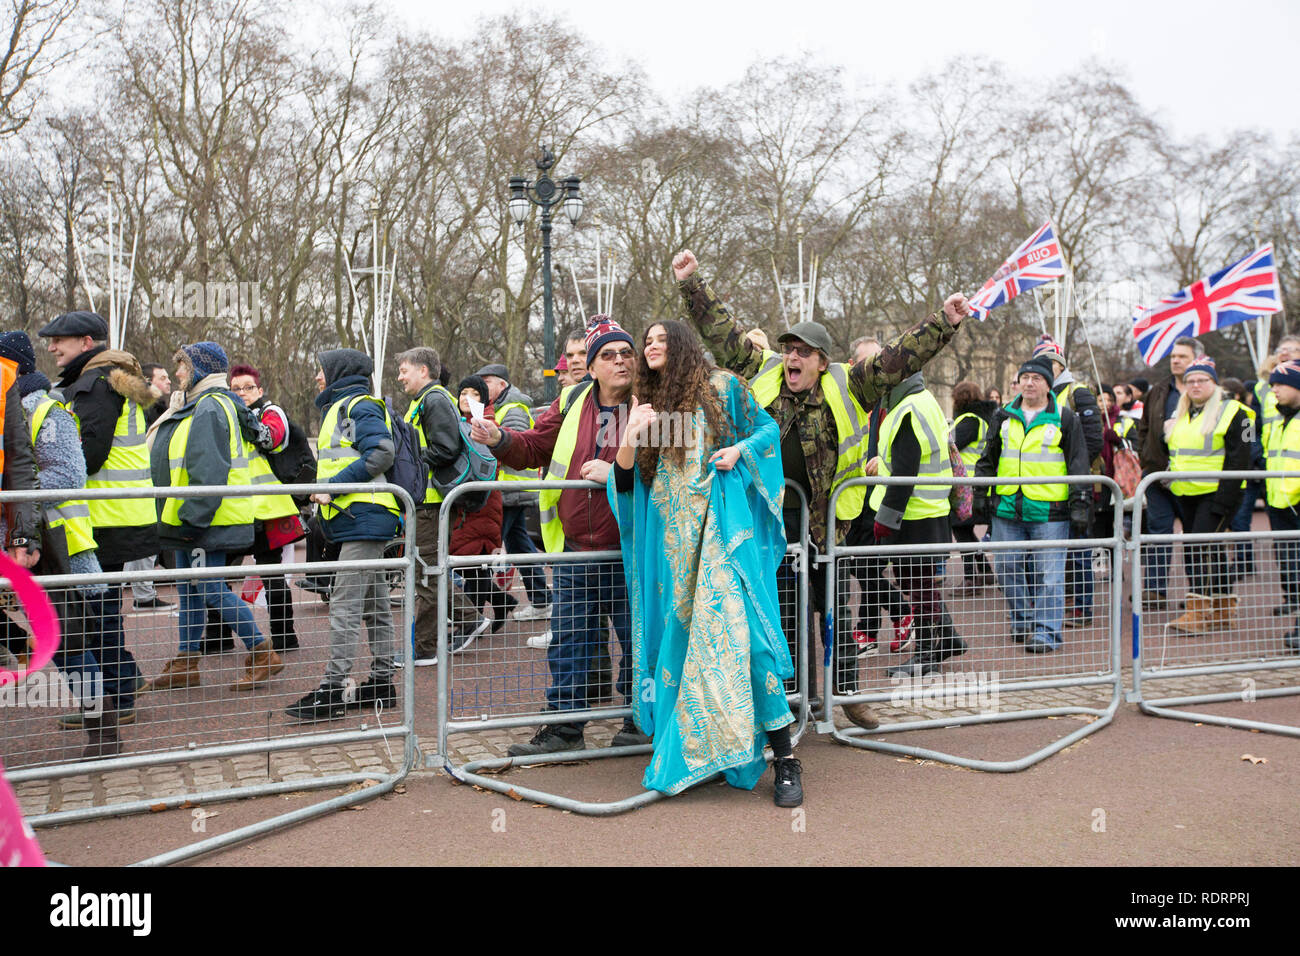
(541, 641)
(430, 661)
(531, 612)
(462, 641)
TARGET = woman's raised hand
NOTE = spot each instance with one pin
(639, 420)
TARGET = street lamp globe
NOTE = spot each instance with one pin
(572, 198)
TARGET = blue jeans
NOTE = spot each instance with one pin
(1079, 577)
(1286, 552)
(514, 535)
(586, 593)
(200, 594)
(1160, 512)
(1033, 581)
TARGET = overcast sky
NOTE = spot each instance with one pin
(1202, 67)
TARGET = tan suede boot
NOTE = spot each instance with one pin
(1198, 617)
(261, 664)
(181, 671)
(1224, 610)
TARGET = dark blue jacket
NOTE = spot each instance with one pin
(374, 443)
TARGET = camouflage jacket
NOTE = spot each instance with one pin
(808, 411)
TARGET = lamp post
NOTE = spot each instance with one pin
(546, 194)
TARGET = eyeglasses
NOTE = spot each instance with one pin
(240, 389)
(622, 355)
(793, 348)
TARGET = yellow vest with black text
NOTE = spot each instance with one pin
(931, 430)
(126, 467)
(1190, 450)
(970, 454)
(234, 509)
(561, 456)
(1282, 453)
(72, 515)
(431, 494)
(851, 424)
(336, 450)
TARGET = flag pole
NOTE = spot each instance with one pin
(1069, 272)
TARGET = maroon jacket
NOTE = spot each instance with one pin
(478, 532)
(588, 523)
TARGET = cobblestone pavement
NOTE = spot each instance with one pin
(198, 777)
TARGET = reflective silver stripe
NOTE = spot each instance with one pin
(1042, 457)
(263, 480)
(239, 461)
(338, 453)
(930, 494)
(132, 428)
(1283, 453)
(129, 441)
(936, 458)
(175, 462)
(1197, 452)
(119, 474)
(549, 514)
(774, 361)
(933, 469)
(857, 430)
(69, 511)
(556, 469)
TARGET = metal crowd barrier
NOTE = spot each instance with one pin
(194, 728)
(498, 684)
(993, 678)
(1208, 641)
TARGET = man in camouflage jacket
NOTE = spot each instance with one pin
(810, 443)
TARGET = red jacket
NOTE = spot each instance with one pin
(478, 532)
(588, 523)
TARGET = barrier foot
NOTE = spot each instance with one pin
(468, 774)
(853, 737)
(1162, 708)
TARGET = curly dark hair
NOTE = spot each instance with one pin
(682, 386)
(965, 394)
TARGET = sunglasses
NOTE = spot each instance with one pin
(622, 355)
(794, 348)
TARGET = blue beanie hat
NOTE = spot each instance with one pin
(206, 358)
(1204, 365)
(1287, 373)
(17, 347)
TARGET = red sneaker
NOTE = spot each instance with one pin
(902, 635)
(866, 643)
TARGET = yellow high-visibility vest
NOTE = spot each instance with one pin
(1190, 450)
(336, 450)
(234, 509)
(930, 428)
(73, 516)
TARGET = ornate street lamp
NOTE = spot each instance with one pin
(546, 195)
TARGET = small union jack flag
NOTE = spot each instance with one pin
(1247, 289)
(1038, 260)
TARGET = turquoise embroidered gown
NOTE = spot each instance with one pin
(700, 550)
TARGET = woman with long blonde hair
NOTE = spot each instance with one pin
(1207, 433)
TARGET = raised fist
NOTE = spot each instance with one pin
(956, 308)
(684, 264)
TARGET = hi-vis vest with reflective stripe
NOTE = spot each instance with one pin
(1267, 402)
(266, 507)
(571, 402)
(970, 455)
(930, 428)
(1282, 451)
(73, 515)
(234, 509)
(1034, 453)
(1190, 450)
(510, 474)
(127, 466)
(851, 424)
(431, 494)
(335, 451)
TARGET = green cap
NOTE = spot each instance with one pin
(812, 333)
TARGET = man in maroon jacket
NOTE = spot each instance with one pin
(585, 593)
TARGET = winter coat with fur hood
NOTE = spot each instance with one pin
(95, 385)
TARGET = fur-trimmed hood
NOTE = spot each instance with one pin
(125, 376)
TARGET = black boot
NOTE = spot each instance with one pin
(101, 736)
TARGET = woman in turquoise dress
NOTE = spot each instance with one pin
(696, 489)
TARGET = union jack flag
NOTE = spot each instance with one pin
(1247, 289)
(1038, 260)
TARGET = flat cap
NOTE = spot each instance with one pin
(76, 323)
(499, 371)
(812, 333)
